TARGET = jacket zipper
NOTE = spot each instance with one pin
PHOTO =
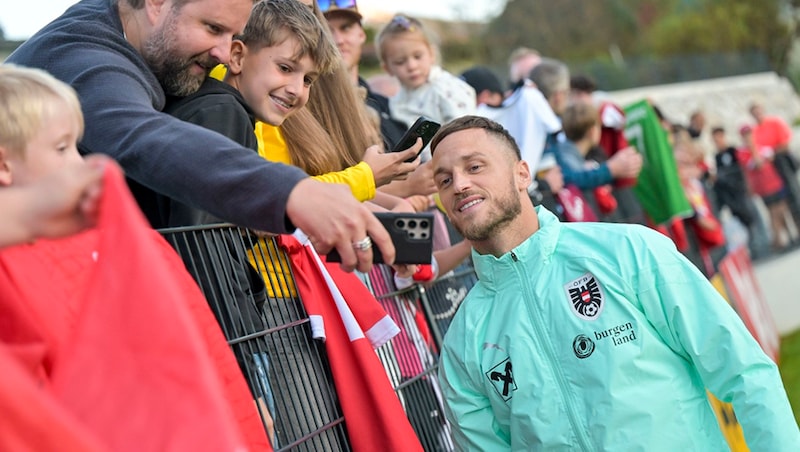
(566, 395)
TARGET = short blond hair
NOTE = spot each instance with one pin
(402, 25)
(28, 98)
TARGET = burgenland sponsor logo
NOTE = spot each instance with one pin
(620, 334)
(583, 346)
(586, 297)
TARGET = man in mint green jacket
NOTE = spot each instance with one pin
(586, 336)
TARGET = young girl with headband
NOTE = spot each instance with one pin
(406, 51)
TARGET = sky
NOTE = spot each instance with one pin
(20, 19)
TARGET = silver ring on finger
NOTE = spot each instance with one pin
(363, 244)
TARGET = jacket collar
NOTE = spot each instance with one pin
(536, 251)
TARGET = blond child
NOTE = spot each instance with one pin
(406, 51)
(47, 189)
(40, 125)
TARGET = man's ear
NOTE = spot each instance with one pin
(5, 167)
(154, 9)
(522, 174)
(238, 53)
(362, 38)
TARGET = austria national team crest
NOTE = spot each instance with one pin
(585, 296)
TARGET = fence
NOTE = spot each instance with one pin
(411, 357)
(269, 332)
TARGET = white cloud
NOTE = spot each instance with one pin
(20, 19)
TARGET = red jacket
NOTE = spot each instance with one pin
(764, 180)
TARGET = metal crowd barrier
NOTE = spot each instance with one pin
(268, 330)
(270, 336)
(442, 299)
(410, 360)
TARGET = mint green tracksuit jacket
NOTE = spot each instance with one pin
(593, 336)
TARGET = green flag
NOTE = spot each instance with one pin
(658, 188)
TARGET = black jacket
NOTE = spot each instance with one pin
(391, 129)
(216, 106)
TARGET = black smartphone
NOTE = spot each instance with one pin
(412, 236)
(422, 128)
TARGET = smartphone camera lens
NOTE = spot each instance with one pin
(423, 235)
(412, 224)
(400, 223)
(423, 224)
(411, 234)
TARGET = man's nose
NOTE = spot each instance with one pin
(461, 182)
(337, 37)
(221, 51)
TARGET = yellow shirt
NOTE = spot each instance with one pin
(272, 146)
(359, 178)
(218, 72)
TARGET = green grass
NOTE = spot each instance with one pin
(790, 370)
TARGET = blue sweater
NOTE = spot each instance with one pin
(122, 103)
(573, 167)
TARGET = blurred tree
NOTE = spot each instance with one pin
(710, 26)
(570, 29)
(589, 29)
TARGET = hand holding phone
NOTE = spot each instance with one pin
(390, 166)
(424, 128)
(412, 236)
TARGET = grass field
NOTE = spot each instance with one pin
(790, 370)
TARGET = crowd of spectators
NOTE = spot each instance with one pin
(751, 183)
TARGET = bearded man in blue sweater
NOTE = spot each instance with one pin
(124, 56)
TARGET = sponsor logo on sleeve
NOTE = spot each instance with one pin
(502, 378)
(585, 296)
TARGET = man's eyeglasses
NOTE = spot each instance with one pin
(325, 5)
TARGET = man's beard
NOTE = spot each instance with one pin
(173, 70)
(508, 208)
